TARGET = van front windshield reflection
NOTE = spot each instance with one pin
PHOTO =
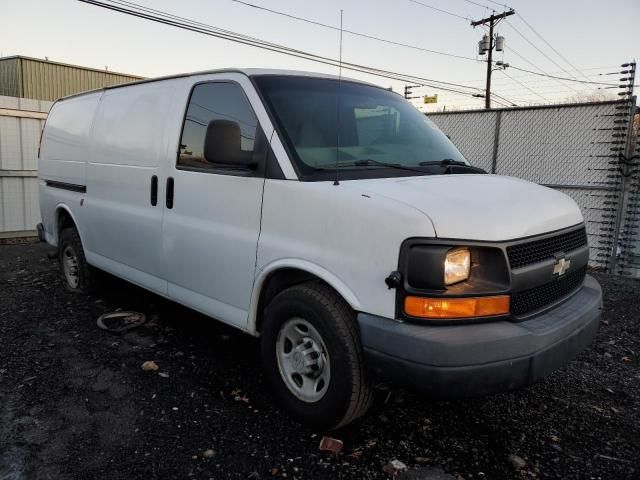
(360, 128)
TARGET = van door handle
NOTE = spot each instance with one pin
(170, 192)
(154, 190)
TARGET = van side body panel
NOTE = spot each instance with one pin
(129, 141)
(111, 143)
(210, 234)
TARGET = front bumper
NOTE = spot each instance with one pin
(477, 359)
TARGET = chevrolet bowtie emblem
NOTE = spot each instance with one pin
(561, 266)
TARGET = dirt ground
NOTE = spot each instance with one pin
(75, 402)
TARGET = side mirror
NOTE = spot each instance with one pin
(222, 145)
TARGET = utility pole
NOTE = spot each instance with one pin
(484, 46)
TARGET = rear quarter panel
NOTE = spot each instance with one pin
(63, 158)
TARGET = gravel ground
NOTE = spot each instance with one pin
(75, 403)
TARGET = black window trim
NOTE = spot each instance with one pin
(276, 128)
(258, 172)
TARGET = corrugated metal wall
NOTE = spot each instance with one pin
(50, 81)
(10, 77)
(44, 80)
(21, 121)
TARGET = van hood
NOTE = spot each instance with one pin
(478, 207)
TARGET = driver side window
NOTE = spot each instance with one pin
(225, 104)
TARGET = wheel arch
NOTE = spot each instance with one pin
(282, 274)
(64, 218)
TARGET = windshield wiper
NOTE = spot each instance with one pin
(368, 161)
(444, 162)
(448, 162)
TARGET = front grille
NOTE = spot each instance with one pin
(536, 251)
(538, 297)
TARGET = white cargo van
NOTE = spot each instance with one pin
(330, 218)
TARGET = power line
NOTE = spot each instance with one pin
(534, 46)
(529, 75)
(514, 88)
(564, 78)
(477, 4)
(544, 89)
(172, 20)
(257, 40)
(253, 40)
(438, 9)
(499, 4)
(351, 32)
(520, 83)
(524, 20)
(392, 42)
(503, 104)
(511, 49)
(199, 27)
(469, 58)
(511, 103)
(539, 82)
(183, 19)
(550, 46)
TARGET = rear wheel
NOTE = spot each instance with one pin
(76, 272)
(312, 356)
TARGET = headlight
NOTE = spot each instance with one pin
(457, 264)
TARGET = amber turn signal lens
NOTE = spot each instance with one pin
(468, 307)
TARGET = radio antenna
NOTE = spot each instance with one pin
(336, 181)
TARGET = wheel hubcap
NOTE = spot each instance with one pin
(70, 267)
(303, 360)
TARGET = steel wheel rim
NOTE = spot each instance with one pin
(70, 266)
(303, 360)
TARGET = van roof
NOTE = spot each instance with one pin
(249, 72)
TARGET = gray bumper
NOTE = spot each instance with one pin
(477, 359)
(41, 235)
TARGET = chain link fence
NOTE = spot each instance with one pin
(473, 132)
(585, 150)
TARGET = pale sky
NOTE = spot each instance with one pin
(596, 36)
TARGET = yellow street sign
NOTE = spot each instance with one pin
(431, 99)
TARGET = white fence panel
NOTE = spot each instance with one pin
(21, 121)
(472, 134)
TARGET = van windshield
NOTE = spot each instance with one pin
(366, 131)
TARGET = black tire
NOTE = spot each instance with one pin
(348, 395)
(69, 242)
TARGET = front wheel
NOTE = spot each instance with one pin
(312, 356)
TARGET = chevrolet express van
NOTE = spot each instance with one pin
(328, 217)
